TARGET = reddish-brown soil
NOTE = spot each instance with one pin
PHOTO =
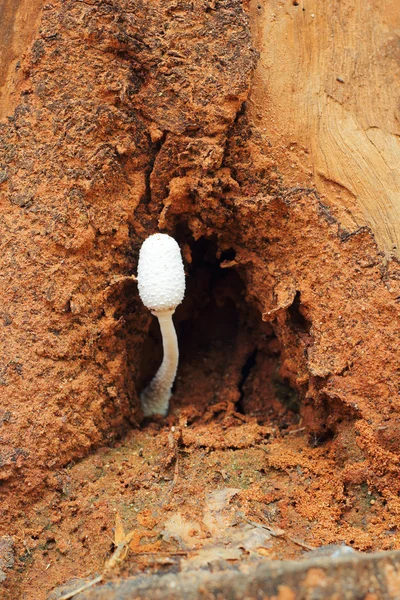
(132, 117)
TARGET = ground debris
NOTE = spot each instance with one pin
(6, 555)
(217, 535)
(121, 547)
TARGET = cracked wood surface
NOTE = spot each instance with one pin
(327, 81)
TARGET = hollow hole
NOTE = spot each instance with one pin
(299, 321)
(227, 255)
(227, 353)
(321, 437)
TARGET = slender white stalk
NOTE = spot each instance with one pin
(161, 282)
(155, 397)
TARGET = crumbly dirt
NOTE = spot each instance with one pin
(162, 483)
(284, 427)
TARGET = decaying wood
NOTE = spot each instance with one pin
(121, 117)
(360, 576)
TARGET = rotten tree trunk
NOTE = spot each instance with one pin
(270, 128)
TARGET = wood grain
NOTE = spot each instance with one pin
(19, 23)
(328, 83)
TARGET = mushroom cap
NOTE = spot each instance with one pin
(161, 277)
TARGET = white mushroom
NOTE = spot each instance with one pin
(161, 282)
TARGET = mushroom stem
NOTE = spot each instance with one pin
(155, 397)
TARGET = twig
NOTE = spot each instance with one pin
(120, 278)
(119, 553)
(280, 533)
(170, 553)
(295, 431)
(82, 588)
(300, 543)
(115, 558)
(274, 532)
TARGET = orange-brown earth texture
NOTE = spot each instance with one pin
(125, 118)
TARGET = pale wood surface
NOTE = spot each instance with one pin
(327, 91)
(19, 24)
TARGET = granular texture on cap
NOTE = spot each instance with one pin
(161, 277)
